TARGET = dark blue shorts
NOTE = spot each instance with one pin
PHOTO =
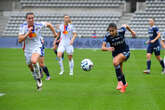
(125, 53)
(155, 49)
(42, 51)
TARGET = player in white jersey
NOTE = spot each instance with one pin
(30, 36)
(68, 35)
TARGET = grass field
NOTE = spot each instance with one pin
(94, 90)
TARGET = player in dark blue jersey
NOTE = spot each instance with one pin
(41, 61)
(153, 46)
(119, 49)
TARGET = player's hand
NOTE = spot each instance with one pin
(30, 30)
(71, 42)
(133, 34)
(152, 41)
(111, 49)
(147, 42)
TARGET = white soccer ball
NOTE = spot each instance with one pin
(86, 64)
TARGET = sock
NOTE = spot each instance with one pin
(62, 55)
(61, 64)
(118, 73)
(45, 69)
(55, 51)
(123, 79)
(71, 65)
(162, 63)
(36, 72)
(148, 64)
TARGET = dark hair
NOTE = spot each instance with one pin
(112, 25)
(29, 13)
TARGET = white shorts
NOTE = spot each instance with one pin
(68, 48)
(28, 55)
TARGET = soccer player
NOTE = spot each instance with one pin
(153, 46)
(57, 41)
(30, 36)
(120, 51)
(68, 35)
(41, 60)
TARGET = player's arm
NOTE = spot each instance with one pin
(57, 40)
(130, 30)
(105, 48)
(73, 38)
(50, 26)
(156, 38)
(22, 37)
(162, 43)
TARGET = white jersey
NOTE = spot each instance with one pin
(66, 33)
(34, 39)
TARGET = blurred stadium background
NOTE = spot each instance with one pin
(91, 17)
(88, 16)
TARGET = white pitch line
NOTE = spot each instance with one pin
(2, 94)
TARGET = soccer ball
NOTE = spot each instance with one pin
(86, 64)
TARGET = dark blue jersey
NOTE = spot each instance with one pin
(118, 42)
(153, 32)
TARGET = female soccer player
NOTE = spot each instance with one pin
(57, 41)
(41, 60)
(30, 36)
(153, 46)
(119, 49)
(68, 35)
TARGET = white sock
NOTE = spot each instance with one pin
(36, 72)
(71, 65)
(61, 64)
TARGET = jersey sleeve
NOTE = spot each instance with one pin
(122, 29)
(21, 30)
(105, 38)
(156, 29)
(43, 24)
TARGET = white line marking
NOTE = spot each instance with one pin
(2, 94)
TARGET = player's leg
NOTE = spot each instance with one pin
(117, 62)
(119, 85)
(34, 60)
(55, 45)
(44, 68)
(148, 62)
(60, 51)
(28, 62)
(157, 55)
(69, 51)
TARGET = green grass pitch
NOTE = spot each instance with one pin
(94, 90)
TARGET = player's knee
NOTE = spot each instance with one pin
(41, 64)
(59, 55)
(115, 63)
(148, 57)
(33, 61)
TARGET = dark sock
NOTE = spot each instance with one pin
(162, 63)
(55, 51)
(148, 64)
(123, 79)
(62, 55)
(45, 69)
(118, 73)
